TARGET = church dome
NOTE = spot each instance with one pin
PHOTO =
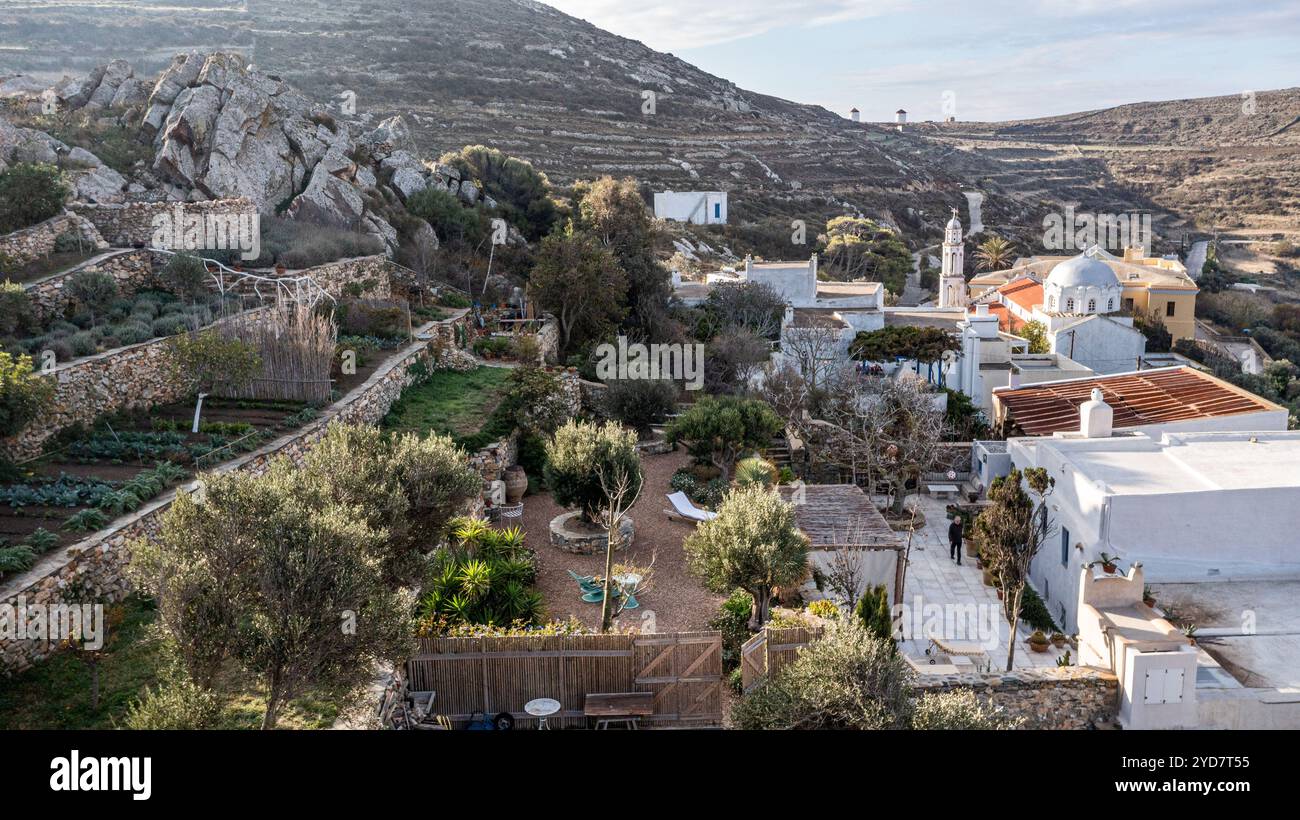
(1083, 271)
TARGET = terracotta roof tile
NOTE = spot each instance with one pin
(1140, 398)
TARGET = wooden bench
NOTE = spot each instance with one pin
(619, 707)
(942, 490)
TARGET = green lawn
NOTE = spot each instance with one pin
(56, 693)
(455, 404)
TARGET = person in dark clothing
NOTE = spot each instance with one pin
(954, 540)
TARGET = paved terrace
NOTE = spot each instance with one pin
(932, 575)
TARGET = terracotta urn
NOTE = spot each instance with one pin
(516, 483)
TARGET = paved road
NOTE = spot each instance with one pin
(912, 293)
(1196, 258)
(975, 199)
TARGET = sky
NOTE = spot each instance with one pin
(976, 60)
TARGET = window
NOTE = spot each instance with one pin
(1069, 306)
(1169, 308)
(1092, 305)
(1065, 547)
(717, 210)
(1051, 303)
(1110, 304)
(1128, 305)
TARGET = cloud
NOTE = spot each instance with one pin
(669, 25)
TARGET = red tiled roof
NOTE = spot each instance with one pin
(1007, 320)
(1147, 397)
(1025, 292)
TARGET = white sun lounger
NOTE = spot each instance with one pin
(684, 509)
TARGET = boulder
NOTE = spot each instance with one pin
(74, 92)
(377, 226)
(35, 150)
(102, 185)
(391, 135)
(180, 75)
(407, 182)
(131, 94)
(80, 156)
(115, 74)
(328, 200)
(469, 192)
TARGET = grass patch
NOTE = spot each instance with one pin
(55, 694)
(460, 405)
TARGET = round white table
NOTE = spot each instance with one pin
(628, 579)
(542, 708)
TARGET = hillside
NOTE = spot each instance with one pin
(568, 96)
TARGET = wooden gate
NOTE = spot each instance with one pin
(766, 653)
(684, 670)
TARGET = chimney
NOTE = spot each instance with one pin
(982, 309)
(1096, 417)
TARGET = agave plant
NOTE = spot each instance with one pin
(475, 578)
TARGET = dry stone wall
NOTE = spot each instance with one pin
(131, 269)
(132, 224)
(1070, 697)
(38, 241)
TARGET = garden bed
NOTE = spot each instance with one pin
(56, 262)
(456, 404)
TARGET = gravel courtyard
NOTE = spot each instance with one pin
(674, 600)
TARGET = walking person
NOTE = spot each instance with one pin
(954, 539)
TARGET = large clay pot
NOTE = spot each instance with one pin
(516, 483)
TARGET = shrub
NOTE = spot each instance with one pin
(755, 470)
(847, 679)
(30, 193)
(824, 608)
(485, 577)
(70, 241)
(16, 558)
(956, 709)
(639, 403)
(725, 428)
(24, 394)
(186, 276)
(16, 314)
(86, 521)
(130, 333)
(84, 343)
(580, 454)
(303, 244)
(732, 620)
(93, 291)
(177, 703)
(371, 317)
(169, 325)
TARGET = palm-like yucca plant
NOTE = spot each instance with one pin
(475, 578)
(755, 471)
(994, 253)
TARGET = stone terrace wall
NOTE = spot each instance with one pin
(132, 224)
(123, 379)
(1071, 697)
(37, 242)
(131, 269)
(370, 272)
(97, 564)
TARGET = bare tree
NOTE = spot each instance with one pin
(622, 489)
(816, 350)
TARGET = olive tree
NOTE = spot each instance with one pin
(752, 544)
(581, 460)
(265, 573)
(1010, 532)
(726, 428)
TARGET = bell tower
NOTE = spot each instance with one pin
(952, 278)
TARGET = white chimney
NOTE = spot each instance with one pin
(1096, 417)
(982, 309)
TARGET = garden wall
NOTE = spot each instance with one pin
(132, 224)
(123, 379)
(95, 566)
(1071, 697)
(131, 269)
(37, 242)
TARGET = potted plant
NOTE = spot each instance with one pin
(988, 577)
(1148, 596)
(280, 268)
(1189, 632)
(1058, 639)
(1064, 660)
(1038, 641)
(1107, 562)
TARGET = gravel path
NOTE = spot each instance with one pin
(674, 601)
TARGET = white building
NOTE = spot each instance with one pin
(952, 275)
(1187, 506)
(696, 207)
(1080, 306)
(900, 117)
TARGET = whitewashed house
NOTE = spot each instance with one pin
(696, 207)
